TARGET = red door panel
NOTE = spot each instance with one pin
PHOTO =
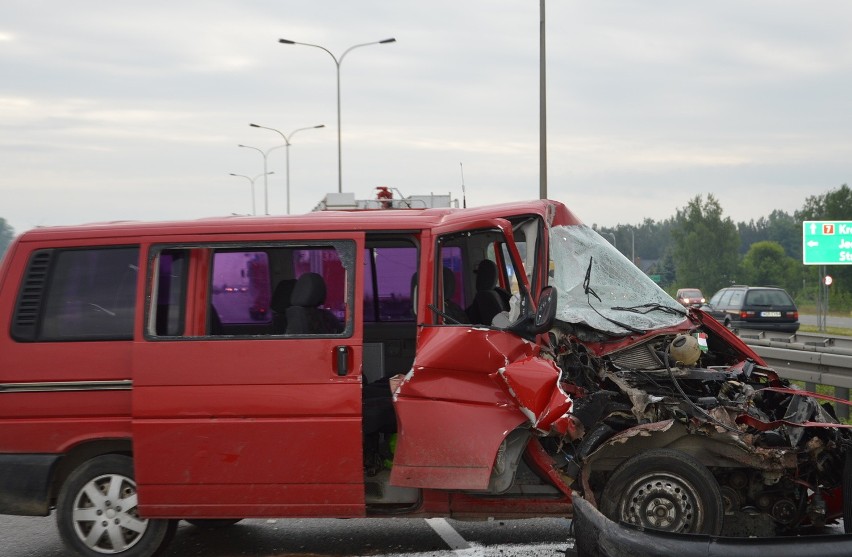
(452, 413)
(210, 426)
(250, 426)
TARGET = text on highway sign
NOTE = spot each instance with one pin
(827, 242)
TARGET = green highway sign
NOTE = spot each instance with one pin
(827, 242)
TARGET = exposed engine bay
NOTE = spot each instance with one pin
(776, 453)
(684, 427)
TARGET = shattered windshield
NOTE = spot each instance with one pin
(600, 288)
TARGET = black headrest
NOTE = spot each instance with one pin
(281, 296)
(449, 283)
(309, 291)
(486, 275)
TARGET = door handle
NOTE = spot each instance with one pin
(342, 360)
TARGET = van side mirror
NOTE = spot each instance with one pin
(546, 312)
(542, 321)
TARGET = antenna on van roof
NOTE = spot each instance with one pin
(464, 197)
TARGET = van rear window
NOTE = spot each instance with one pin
(78, 294)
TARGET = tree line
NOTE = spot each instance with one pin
(700, 247)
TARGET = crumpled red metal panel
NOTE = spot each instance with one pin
(534, 384)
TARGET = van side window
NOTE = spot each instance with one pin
(388, 275)
(280, 289)
(240, 287)
(476, 277)
(453, 283)
(170, 298)
(321, 298)
(79, 295)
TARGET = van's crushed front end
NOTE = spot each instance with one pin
(681, 426)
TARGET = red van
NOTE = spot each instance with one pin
(430, 362)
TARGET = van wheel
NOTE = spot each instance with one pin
(96, 512)
(664, 489)
(727, 323)
(213, 523)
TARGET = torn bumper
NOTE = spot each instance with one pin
(597, 536)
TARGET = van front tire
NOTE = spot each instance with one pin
(96, 512)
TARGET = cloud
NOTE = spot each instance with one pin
(121, 110)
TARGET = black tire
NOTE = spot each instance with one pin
(96, 512)
(664, 489)
(213, 523)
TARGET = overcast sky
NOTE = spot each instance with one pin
(114, 110)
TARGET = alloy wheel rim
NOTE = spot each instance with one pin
(105, 514)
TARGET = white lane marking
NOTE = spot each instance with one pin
(448, 533)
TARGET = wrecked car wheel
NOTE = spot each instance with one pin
(665, 490)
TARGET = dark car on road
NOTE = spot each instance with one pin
(764, 308)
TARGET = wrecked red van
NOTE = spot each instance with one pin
(428, 362)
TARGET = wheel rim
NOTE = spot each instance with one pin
(663, 502)
(105, 516)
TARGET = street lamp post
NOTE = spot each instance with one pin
(264, 154)
(251, 181)
(542, 110)
(337, 62)
(287, 144)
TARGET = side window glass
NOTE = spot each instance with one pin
(511, 278)
(452, 283)
(240, 287)
(91, 295)
(725, 300)
(283, 289)
(527, 240)
(170, 292)
(320, 299)
(714, 301)
(736, 299)
(388, 277)
(476, 277)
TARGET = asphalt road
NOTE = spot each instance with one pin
(831, 321)
(409, 537)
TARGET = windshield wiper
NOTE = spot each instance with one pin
(648, 308)
(588, 290)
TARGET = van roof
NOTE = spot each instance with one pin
(365, 220)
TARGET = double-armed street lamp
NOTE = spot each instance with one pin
(264, 154)
(251, 181)
(287, 144)
(337, 62)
